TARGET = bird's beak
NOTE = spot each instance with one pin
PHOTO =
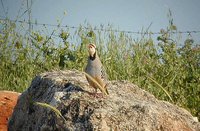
(89, 46)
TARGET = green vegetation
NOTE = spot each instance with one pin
(167, 70)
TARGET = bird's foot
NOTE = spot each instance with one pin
(96, 95)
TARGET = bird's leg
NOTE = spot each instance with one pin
(95, 90)
(98, 95)
(95, 94)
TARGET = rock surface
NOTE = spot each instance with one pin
(8, 100)
(126, 108)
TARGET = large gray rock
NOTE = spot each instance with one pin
(126, 108)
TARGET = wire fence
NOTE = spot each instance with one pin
(99, 29)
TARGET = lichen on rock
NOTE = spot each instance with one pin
(127, 107)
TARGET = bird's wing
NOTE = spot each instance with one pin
(104, 75)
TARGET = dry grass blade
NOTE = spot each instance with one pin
(56, 111)
(161, 88)
(99, 86)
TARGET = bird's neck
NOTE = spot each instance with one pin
(93, 57)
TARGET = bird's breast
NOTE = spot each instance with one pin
(93, 69)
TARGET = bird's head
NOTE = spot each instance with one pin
(92, 50)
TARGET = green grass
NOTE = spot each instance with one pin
(168, 71)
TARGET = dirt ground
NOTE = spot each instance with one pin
(8, 100)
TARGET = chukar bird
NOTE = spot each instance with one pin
(95, 69)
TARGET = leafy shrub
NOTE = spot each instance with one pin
(166, 70)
